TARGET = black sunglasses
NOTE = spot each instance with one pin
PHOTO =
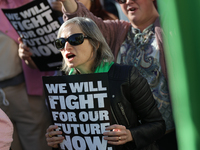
(74, 39)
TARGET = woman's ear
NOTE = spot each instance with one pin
(98, 46)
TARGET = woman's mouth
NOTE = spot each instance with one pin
(70, 56)
(132, 9)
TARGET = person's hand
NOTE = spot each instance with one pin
(24, 51)
(52, 137)
(25, 54)
(117, 135)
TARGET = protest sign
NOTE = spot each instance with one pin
(38, 24)
(80, 106)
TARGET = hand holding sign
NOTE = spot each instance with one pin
(118, 135)
(53, 136)
(25, 54)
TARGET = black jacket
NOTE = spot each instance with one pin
(133, 105)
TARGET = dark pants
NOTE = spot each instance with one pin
(168, 142)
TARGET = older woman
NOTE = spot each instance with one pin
(137, 120)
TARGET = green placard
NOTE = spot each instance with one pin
(181, 24)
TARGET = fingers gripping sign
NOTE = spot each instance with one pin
(117, 135)
(25, 54)
(53, 136)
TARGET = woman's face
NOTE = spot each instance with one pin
(80, 56)
(86, 3)
(139, 11)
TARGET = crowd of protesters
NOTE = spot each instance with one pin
(136, 42)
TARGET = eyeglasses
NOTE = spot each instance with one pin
(121, 1)
(74, 39)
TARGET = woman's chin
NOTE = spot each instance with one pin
(71, 65)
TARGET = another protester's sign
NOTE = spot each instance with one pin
(80, 107)
(38, 24)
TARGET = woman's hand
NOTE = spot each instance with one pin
(117, 135)
(52, 137)
(25, 54)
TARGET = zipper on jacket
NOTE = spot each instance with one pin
(114, 115)
(123, 113)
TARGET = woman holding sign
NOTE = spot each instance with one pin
(137, 122)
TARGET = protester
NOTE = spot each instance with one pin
(85, 51)
(137, 43)
(21, 99)
(6, 131)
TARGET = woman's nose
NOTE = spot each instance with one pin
(67, 46)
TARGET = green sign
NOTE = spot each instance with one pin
(181, 24)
